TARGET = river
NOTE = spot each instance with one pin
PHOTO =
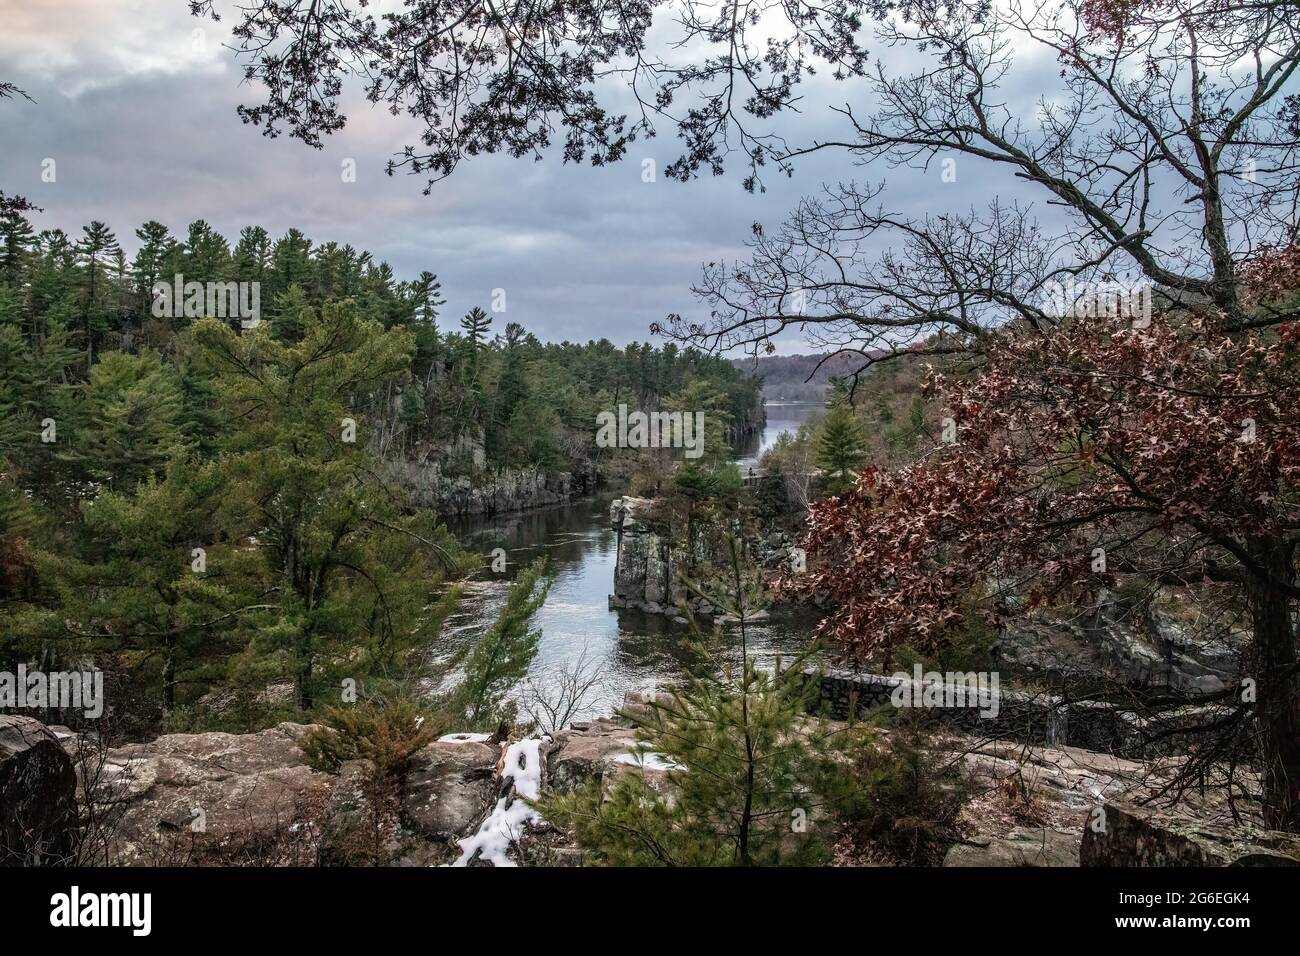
(628, 649)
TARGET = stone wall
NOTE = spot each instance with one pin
(1136, 834)
(1038, 718)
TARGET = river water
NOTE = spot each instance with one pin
(629, 650)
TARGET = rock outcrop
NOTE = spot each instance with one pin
(587, 751)
(1153, 644)
(448, 789)
(1037, 846)
(646, 570)
(38, 789)
(213, 797)
(980, 709)
(252, 799)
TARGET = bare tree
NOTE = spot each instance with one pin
(1166, 157)
(553, 698)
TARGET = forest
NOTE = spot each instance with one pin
(208, 508)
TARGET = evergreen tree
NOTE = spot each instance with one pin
(500, 658)
(252, 254)
(97, 247)
(147, 266)
(140, 586)
(17, 244)
(131, 422)
(749, 775)
(348, 565)
(290, 264)
(37, 385)
(207, 254)
(840, 447)
(476, 325)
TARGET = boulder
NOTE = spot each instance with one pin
(38, 795)
(448, 788)
(1147, 835)
(347, 825)
(214, 797)
(585, 755)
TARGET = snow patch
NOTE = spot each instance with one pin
(648, 760)
(522, 766)
(464, 738)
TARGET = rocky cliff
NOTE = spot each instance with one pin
(1166, 640)
(647, 571)
(38, 813)
(490, 494)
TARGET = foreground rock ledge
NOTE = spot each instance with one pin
(263, 805)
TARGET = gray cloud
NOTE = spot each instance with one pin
(141, 122)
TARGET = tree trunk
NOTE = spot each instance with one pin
(1278, 702)
(302, 668)
(90, 304)
(169, 677)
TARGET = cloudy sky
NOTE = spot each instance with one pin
(139, 114)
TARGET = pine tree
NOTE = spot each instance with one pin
(207, 254)
(252, 254)
(840, 447)
(290, 264)
(97, 246)
(132, 420)
(147, 266)
(476, 325)
(353, 573)
(37, 384)
(748, 774)
(17, 244)
(424, 298)
(136, 589)
(500, 658)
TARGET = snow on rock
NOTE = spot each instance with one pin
(464, 738)
(521, 767)
(649, 760)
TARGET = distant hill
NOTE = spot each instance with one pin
(786, 377)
